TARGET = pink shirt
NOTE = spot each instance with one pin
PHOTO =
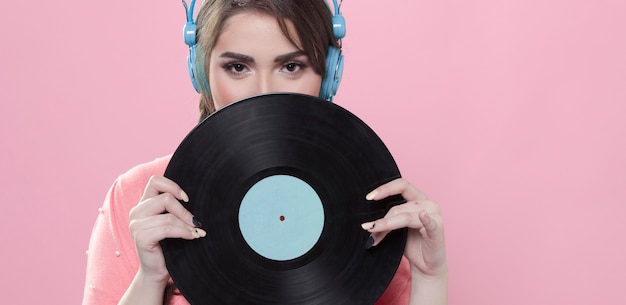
(112, 259)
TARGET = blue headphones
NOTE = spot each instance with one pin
(334, 58)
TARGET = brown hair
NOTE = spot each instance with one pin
(311, 19)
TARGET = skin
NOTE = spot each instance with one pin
(243, 64)
(425, 246)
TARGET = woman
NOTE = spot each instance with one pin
(244, 48)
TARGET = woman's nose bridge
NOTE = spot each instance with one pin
(265, 83)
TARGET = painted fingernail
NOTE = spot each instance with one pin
(196, 222)
(371, 195)
(184, 196)
(370, 242)
(368, 225)
(201, 233)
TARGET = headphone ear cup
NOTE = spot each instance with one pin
(334, 71)
(196, 72)
(191, 67)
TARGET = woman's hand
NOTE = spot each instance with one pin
(157, 216)
(425, 245)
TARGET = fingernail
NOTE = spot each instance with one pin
(195, 233)
(371, 195)
(370, 242)
(368, 225)
(196, 222)
(184, 196)
(201, 233)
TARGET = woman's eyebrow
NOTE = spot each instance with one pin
(288, 56)
(237, 56)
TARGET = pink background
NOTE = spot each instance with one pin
(509, 113)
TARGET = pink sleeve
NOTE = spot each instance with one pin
(111, 257)
(399, 289)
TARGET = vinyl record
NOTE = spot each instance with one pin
(279, 183)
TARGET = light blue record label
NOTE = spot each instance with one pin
(281, 217)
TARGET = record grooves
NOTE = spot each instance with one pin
(279, 183)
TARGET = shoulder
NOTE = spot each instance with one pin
(129, 186)
(140, 174)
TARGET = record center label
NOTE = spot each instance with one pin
(281, 217)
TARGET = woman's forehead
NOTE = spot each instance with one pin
(254, 29)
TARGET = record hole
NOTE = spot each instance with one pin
(282, 218)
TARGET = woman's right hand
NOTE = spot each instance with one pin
(157, 216)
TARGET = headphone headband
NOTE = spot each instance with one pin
(339, 23)
(189, 31)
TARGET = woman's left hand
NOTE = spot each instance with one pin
(425, 245)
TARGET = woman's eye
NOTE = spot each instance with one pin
(293, 67)
(236, 68)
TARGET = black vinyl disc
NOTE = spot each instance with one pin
(279, 183)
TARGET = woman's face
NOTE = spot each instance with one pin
(252, 56)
